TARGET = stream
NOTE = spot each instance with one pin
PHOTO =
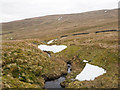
(56, 83)
(90, 72)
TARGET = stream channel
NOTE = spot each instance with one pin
(56, 83)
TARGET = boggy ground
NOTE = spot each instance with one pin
(26, 66)
(99, 49)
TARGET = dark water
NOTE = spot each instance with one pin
(69, 68)
(49, 55)
(56, 83)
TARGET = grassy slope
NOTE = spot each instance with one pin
(47, 26)
(21, 58)
(25, 66)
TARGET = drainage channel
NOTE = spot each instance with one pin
(56, 83)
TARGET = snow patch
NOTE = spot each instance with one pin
(50, 42)
(60, 18)
(85, 61)
(105, 11)
(90, 72)
(53, 48)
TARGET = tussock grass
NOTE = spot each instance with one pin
(25, 64)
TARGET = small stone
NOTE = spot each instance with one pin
(73, 79)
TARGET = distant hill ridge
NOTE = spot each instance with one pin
(56, 25)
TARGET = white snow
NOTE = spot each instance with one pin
(59, 18)
(53, 48)
(90, 72)
(85, 61)
(105, 11)
(50, 42)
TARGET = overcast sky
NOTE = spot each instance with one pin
(20, 9)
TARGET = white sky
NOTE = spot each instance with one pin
(20, 9)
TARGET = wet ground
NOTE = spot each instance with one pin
(56, 83)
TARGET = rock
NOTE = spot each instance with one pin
(73, 79)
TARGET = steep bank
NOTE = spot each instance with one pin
(25, 66)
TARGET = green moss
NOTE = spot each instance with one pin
(96, 55)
